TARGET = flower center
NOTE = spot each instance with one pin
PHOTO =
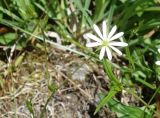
(105, 43)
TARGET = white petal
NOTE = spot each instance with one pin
(159, 50)
(102, 52)
(93, 44)
(122, 44)
(158, 63)
(104, 29)
(85, 36)
(116, 50)
(113, 30)
(93, 37)
(97, 30)
(109, 55)
(116, 36)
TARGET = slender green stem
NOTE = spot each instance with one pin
(109, 72)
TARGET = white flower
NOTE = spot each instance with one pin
(105, 40)
(158, 62)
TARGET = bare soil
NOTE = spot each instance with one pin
(78, 81)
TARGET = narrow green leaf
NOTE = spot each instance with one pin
(111, 12)
(86, 6)
(81, 8)
(111, 93)
(157, 9)
(15, 17)
(100, 9)
(109, 72)
(124, 111)
(146, 83)
(30, 107)
(26, 9)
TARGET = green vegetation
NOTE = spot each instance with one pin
(35, 25)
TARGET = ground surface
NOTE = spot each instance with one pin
(78, 83)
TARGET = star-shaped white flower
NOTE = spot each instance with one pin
(105, 40)
(158, 62)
